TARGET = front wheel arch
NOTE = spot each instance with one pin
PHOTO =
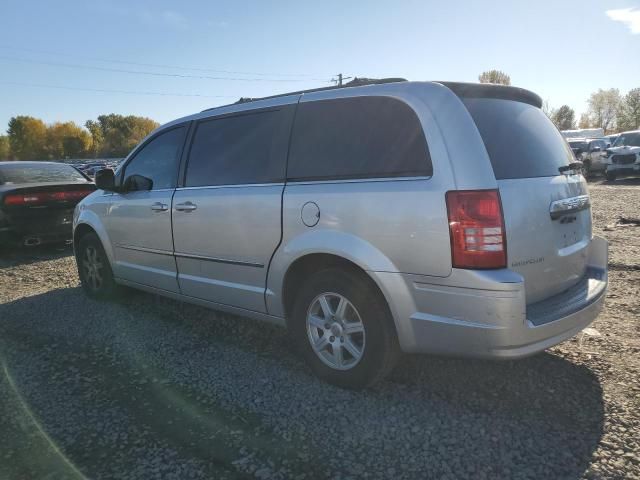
(80, 231)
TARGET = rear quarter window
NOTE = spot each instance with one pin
(359, 137)
(520, 140)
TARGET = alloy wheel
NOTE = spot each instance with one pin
(335, 331)
(93, 267)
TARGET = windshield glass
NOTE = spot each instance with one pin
(39, 173)
(578, 145)
(628, 139)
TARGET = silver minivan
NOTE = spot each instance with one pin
(434, 217)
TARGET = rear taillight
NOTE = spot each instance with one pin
(38, 198)
(476, 227)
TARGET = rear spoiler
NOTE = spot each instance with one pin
(490, 90)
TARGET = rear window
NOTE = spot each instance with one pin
(39, 173)
(520, 140)
(361, 137)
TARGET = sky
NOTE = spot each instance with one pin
(75, 60)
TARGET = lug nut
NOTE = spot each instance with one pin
(332, 338)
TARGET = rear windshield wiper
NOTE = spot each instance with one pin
(571, 166)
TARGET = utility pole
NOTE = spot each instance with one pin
(338, 80)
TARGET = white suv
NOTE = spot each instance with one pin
(623, 158)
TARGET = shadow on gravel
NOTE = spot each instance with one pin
(148, 387)
(14, 256)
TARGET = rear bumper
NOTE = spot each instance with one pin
(484, 313)
(56, 227)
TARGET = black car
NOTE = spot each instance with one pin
(37, 200)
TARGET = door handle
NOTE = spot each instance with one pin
(186, 207)
(159, 207)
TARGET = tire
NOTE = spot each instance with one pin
(368, 353)
(91, 258)
(611, 176)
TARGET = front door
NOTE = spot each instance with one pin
(140, 218)
(226, 218)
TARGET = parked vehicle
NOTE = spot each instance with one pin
(583, 133)
(593, 158)
(411, 216)
(623, 158)
(37, 200)
(611, 139)
(579, 147)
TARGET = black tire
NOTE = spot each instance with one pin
(104, 289)
(611, 176)
(380, 348)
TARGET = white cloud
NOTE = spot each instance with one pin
(167, 18)
(174, 19)
(629, 16)
(217, 23)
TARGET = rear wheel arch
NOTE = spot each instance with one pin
(373, 347)
(311, 263)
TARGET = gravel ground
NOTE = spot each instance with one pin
(150, 388)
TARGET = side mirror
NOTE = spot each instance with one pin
(137, 183)
(105, 180)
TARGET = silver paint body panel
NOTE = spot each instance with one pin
(234, 231)
(142, 239)
(233, 252)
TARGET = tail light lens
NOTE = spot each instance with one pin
(38, 198)
(476, 227)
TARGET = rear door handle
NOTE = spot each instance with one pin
(186, 207)
(159, 207)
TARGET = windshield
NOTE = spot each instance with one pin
(39, 173)
(628, 140)
(520, 139)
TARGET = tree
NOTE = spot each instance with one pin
(585, 121)
(603, 108)
(67, 140)
(494, 76)
(5, 150)
(564, 118)
(116, 134)
(629, 113)
(97, 139)
(27, 137)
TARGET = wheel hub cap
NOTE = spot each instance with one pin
(335, 331)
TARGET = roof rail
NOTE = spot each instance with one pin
(356, 82)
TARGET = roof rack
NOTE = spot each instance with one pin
(356, 82)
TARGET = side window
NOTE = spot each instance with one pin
(359, 137)
(245, 148)
(158, 159)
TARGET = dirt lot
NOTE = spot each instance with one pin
(149, 388)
